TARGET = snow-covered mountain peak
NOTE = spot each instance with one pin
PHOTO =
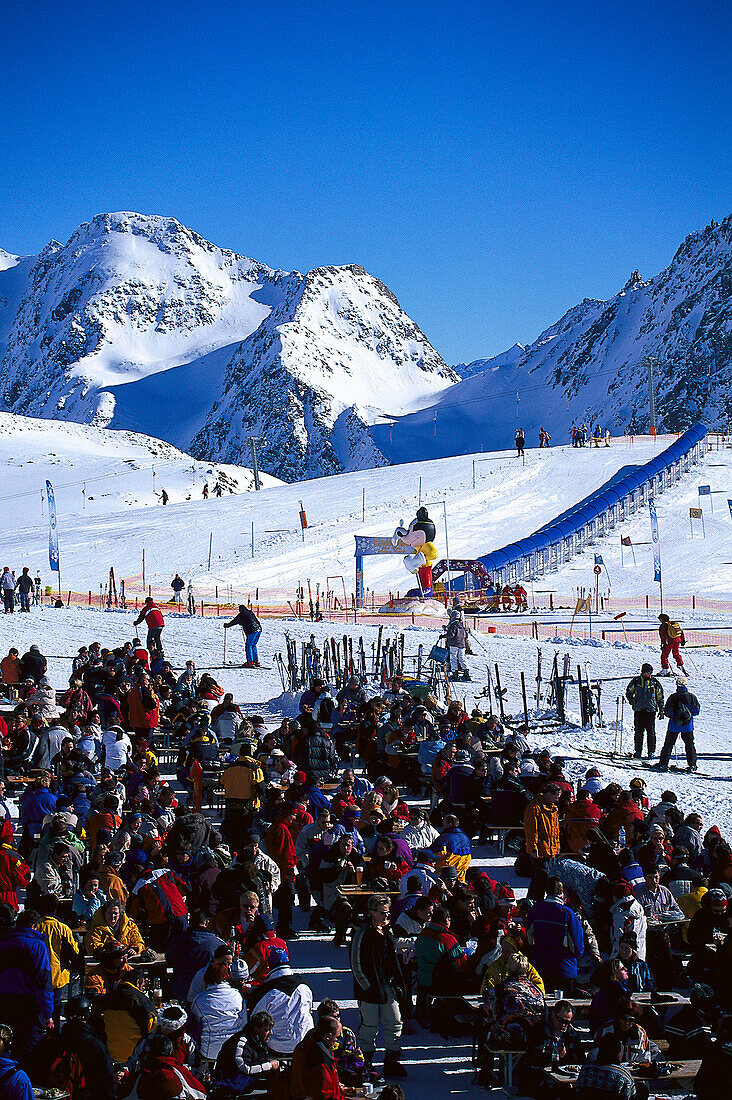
(591, 366)
(139, 322)
(7, 260)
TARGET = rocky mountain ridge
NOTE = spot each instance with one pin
(138, 322)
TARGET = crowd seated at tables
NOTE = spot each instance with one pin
(146, 938)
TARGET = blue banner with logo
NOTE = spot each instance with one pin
(52, 528)
(730, 506)
(656, 541)
(369, 544)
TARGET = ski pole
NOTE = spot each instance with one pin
(617, 723)
(224, 647)
(622, 716)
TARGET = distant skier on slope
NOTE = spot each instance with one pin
(520, 440)
(252, 629)
(672, 636)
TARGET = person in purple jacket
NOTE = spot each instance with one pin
(556, 938)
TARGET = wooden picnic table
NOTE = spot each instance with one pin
(142, 965)
(662, 1000)
(509, 1058)
(501, 830)
(685, 1070)
(358, 893)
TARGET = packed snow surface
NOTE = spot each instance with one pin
(510, 501)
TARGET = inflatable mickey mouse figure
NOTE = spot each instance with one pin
(420, 536)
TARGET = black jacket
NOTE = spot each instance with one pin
(318, 757)
(243, 1053)
(33, 664)
(247, 620)
(79, 1038)
(375, 965)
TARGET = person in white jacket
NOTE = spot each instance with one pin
(219, 1008)
(627, 915)
(289, 1002)
(418, 833)
(117, 748)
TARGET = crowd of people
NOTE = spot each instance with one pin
(146, 938)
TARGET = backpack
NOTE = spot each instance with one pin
(325, 708)
(682, 713)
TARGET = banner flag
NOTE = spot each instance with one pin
(583, 604)
(52, 529)
(369, 544)
(626, 540)
(696, 513)
(598, 559)
(656, 541)
(704, 490)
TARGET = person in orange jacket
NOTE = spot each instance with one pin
(541, 823)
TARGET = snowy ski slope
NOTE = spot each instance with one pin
(510, 500)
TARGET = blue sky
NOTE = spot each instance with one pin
(492, 163)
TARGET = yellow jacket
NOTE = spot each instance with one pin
(541, 823)
(242, 780)
(496, 973)
(61, 942)
(689, 904)
(113, 886)
(100, 933)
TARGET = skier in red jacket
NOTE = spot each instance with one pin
(155, 622)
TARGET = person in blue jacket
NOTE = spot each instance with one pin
(556, 938)
(26, 991)
(681, 709)
(15, 1084)
(36, 802)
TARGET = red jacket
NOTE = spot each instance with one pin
(440, 767)
(160, 894)
(140, 654)
(341, 802)
(581, 816)
(281, 849)
(14, 872)
(153, 617)
(166, 1079)
(142, 714)
(621, 816)
(314, 1071)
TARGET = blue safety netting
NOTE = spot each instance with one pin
(586, 513)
